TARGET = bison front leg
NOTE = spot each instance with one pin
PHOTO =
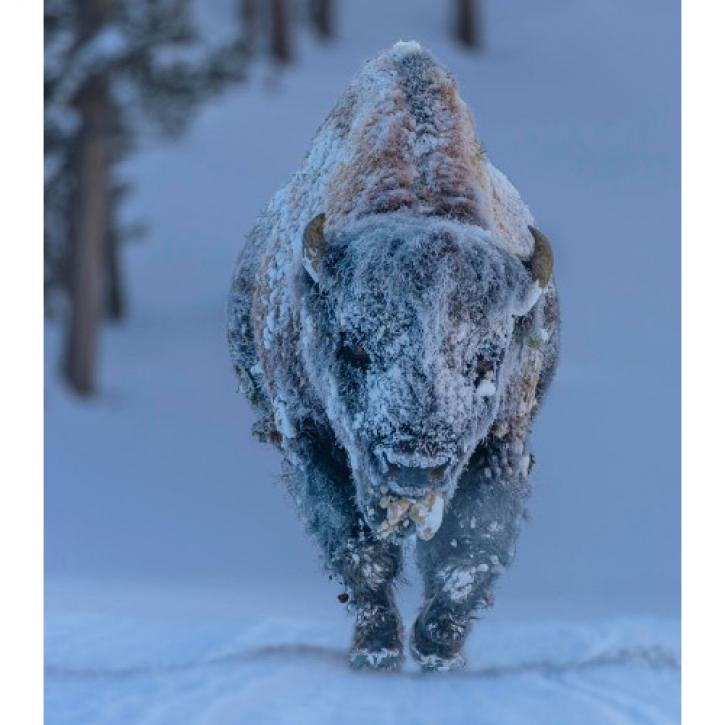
(366, 566)
(475, 543)
(369, 568)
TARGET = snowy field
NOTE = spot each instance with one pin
(180, 587)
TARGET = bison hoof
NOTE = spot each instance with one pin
(436, 642)
(384, 659)
(434, 662)
(377, 643)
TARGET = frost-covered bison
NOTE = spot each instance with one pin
(394, 321)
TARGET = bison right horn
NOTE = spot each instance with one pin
(541, 263)
(540, 267)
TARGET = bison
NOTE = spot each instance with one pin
(393, 319)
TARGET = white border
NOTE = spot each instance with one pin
(21, 376)
(703, 363)
(703, 360)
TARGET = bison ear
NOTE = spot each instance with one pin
(539, 267)
(313, 246)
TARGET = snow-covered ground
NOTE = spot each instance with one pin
(269, 669)
(180, 587)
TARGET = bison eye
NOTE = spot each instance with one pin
(481, 369)
(354, 355)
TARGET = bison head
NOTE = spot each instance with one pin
(406, 326)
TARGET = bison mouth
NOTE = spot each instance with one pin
(411, 499)
(405, 487)
(412, 479)
(412, 472)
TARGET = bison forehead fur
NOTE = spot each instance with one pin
(394, 322)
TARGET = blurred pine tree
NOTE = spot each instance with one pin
(112, 70)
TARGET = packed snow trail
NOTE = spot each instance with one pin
(123, 670)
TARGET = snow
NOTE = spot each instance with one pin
(180, 585)
(486, 388)
(107, 47)
(428, 515)
(164, 668)
(458, 581)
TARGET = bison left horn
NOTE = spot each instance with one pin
(313, 245)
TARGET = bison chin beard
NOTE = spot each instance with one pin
(393, 516)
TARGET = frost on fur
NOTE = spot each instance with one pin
(394, 322)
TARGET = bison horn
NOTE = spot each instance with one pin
(541, 263)
(540, 267)
(313, 245)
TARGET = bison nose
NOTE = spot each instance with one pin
(415, 479)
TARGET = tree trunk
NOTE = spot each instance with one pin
(280, 30)
(114, 295)
(91, 225)
(321, 13)
(70, 218)
(90, 212)
(467, 23)
(250, 24)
